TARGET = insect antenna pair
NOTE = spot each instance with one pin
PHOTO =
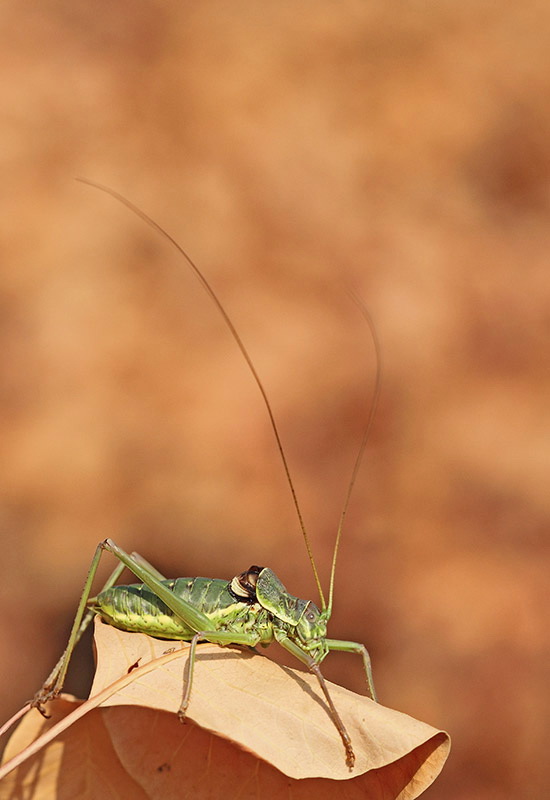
(254, 607)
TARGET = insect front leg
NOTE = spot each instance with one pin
(356, 647)
(55, 680)
(312, 665)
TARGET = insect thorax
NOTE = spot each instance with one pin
(243, 586)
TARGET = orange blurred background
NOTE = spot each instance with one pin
(294, 150)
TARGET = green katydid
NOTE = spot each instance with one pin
(253, 608)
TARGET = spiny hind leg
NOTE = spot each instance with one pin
(193, 617)
(55, 680)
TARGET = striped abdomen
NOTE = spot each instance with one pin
(136, 608)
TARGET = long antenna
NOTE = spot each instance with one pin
(364, 439)
(206, 286)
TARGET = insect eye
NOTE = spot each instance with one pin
(310, 616)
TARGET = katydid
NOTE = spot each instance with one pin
(253, 608)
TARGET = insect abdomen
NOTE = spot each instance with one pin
(136, 608)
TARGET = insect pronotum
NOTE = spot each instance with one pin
(252, 608)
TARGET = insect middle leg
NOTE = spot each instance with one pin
(216, 637)
(141, 568)
(190, 615)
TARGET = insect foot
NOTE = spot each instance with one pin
(45, 695)
(350, 756)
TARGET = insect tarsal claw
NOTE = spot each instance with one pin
(38, 702)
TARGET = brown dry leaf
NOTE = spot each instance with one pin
(258, 728)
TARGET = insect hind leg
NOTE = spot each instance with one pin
(54, 682)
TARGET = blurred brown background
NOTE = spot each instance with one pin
(295, 149)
